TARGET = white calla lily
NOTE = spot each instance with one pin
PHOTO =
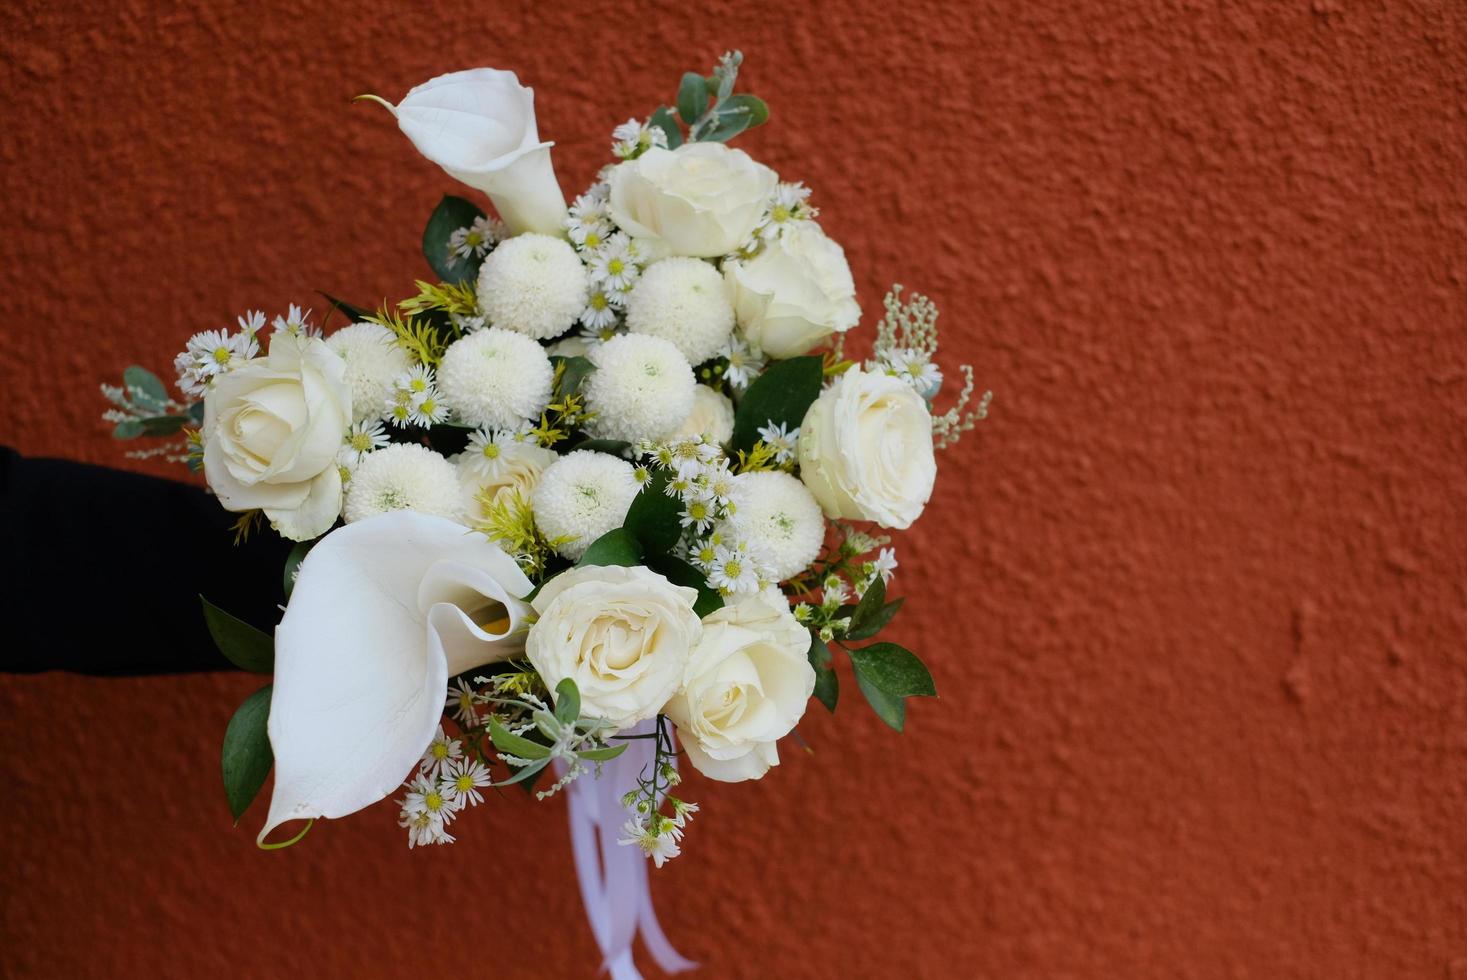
(479, 126)
(383, 612)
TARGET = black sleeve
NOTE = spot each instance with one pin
(105, 569)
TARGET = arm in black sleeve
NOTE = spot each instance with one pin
(105, 569)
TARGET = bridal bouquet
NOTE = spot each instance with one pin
(606, 480)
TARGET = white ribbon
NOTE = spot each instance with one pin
(613, 876)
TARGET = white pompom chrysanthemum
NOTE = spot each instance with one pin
(684, 301)
(580, 497)
(373, 362)
(642, 388)
(779, 520)
(403, 476)
(496, 378)
(534, 285)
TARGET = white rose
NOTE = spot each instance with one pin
(479, 126)
(746, 687)
(866, 450)
(623, 634)
(702, 199)
(272, 428)
(795, 293)
(517, 470)
(712, 416)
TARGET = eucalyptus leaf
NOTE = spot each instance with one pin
(529, 772)
(144, 388)
(128, 429)
(512, 744)
(782, 394)
(664, 120)
(692, 98)
(602, 755)
(567, 701)
(750, 107)
(654, 517)
(246, 758)
(451, 214)
(242, 644)
(724, 128)
(616, 547)
(893, 670)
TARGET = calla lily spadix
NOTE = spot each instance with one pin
(479, 126)
(383, 612)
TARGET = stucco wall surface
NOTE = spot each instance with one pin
(1194, 596)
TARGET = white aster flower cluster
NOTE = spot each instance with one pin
(633, 138)
(210, 353)
(445, 784)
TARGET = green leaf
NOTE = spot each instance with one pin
(888, 707)
(603, 755)
(878, 621)
(567, 701)
(679, 572)
(293, 562)
(827, 684)
(576, 370)
(692, 98)
(653, 517)
(782, 394)
(129, 429)
(451, 214)
(664, 120)
(616, 547)
(245, 647)
(893, 670)
(246, 759)
(612, 447)
(724, 129)
(512, 744)
(353, 313)
(144, 388)
(164, 425)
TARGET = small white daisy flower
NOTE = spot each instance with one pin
(661, 846)
(295, 323)
(783, 440)
(441, 751)
(362, 438)
(463, 701)
(614, 264)
(745, 362)
(251, 323)
(733, 571)
(786, 206)
(462, 779)
(886, 563)
(473, 241)
(589, 222)
(599, 314)
(209, 354)
(424, 828)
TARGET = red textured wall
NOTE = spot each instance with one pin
(1194, 596)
